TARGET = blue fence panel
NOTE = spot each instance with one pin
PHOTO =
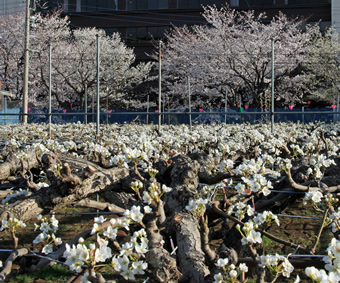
(197, 117)
(11, 119)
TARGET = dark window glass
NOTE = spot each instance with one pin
(90, 5)
(183, 4)
(163, 4)
(152, 4)
(211, 3)
(131, 4)
(173, 4)
(142, 4)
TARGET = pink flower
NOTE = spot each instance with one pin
(201, 109)
(333, 106)
(64, 110)
(290, 107)
(156, 111)
(246, 106)
(109, 111)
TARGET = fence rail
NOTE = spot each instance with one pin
(175, 117)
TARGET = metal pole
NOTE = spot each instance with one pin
(168, 110)
(92, 115)
(25, 89)
(272, 92)
(226, 106)
(189, 98)
(147, 110)
(49, 89)
(337, 108)
(303, 114)
(5, 109)
(98, 98)
(107, 109)
(163, 116)
(159, 84)
(85, 106)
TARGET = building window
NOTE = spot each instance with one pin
(142, 4)
(234, 3)
(65, 6)
(78, 6)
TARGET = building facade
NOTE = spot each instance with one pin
(140, 22)
(8, 7)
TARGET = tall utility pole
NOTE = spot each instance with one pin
(189, 101)
(159, 85)
(27, 41)
(49, 88)
(272, 90)
(97, 88)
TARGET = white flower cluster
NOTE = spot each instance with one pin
(314, 196)
(152, 172)
(15, 194)
(128, 263)
(154, 193)
(115, 224)
(296, 150)
(40, 148)
(197, 206)
(277, 264)
(47, 236)
(332, 260)
(20, 154)
(284, 163)
(12, 224)
(266, 217)
(240, 210)
(134, 214)
(335, 218)
(230, 273)
(250, 167)
(118, 160)
(319, 163)
(136, 185)
(321, 275)
(13, 143)
(249, 235)
(80, 255)
(254, 184)
(226, 165)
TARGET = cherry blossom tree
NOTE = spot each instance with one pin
(50, 29)
(11, 52)
(233, 52)
(322, 64)
(116, 64)
(73, 61)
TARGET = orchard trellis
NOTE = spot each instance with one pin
(164, 184)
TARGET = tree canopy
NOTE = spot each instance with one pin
(233, 52)
(73, 61)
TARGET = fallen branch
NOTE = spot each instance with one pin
(100, 205)
(9, 262)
